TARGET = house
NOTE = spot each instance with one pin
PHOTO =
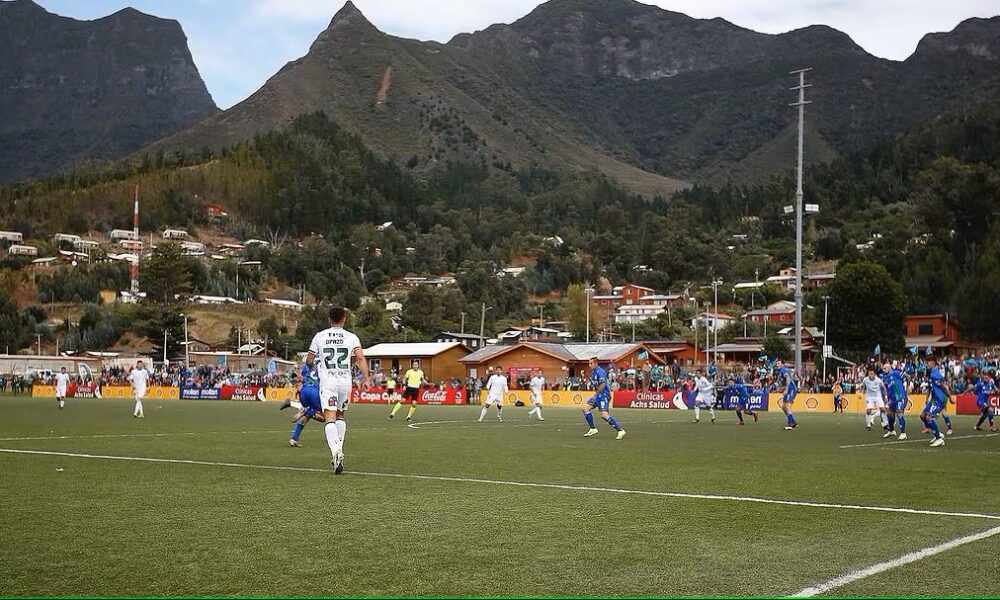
(942, 333)
(749, 285)
(256, 242)
(192, 247)
(175, 234)
(215, 211)
(637, 313)
(117, 235)
(240, 363)
(779, 313)
(711, 320)
(674, 351)
(14, 237)
(623, 295)
(214, 300)
(814, 282)
(87, 245)
(557, 362)
(532, 333)
(284, 303)
(512, 271)
(22, 250)
(231, 249)
(664, 299)
(131, 245)
(440, 361)
(383, 226)
(469, 339)
(67, 238)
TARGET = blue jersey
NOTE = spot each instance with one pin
(984, 389)
(597, 377)
(896, 389)
(310, 376)
(741, 394)
(787, 381)
(939, 393)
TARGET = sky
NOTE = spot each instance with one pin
(238, 44)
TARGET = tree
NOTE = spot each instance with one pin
(777, 346)
(165, 275)
(867, 308)
(576, 311)
(372, 324)
(15, 331)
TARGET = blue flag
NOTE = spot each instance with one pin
(929, 351)
(914, 350)
(643, 355)
(272, 367)
(878, 350)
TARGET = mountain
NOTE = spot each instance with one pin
(80, 90)
(650, 97)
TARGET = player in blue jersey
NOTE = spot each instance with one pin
(898, 400)
(737, 390)
(309, 404)
(985, 387)
(789, 389)
(937, 401)
(601, 401)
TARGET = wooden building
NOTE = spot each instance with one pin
(440, 361)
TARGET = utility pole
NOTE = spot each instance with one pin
(164, 348)
(187, 345)
(39, 336)
(588, 313)
(715, 320)
(708, 342)
(801, 104)
(482, 326)
(463, 322)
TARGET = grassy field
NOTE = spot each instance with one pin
(223, 506)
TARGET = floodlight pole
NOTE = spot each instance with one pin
(801, 104)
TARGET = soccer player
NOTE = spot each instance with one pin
(738, 388)
(536, 385)
(62, 388)
(309, 404)
(838, 396)
(898, 399)
(332, 350)
(706, 396)
(985, 386)
(937, 400)
(875, 393)
(789, 389)
(139, 378)
(413, 379)
(601, 401)
(496, 387)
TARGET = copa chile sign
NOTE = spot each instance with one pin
(448, 395)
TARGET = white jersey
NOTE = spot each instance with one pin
(536, 385)
(495, 387)
(706, 389)
(140, 381)
(874, 388)
(334, 351)
(62, 384)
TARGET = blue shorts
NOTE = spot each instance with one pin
(309, 398)
(601, 402)
(789, 396)
(934, 408)
(982, 404)
(898, 405)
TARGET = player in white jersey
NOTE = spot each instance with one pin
(875, 394)
(139, 378)
(496, 387)
(536, 385)
(705, 397)
(331, 352)
(62, 387)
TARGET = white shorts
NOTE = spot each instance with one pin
(874, 403)
(536, 397)
(335, 397)
(140, 394)
(494, 400)
(703, 402)
(60, 393)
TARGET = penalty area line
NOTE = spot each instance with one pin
(524, 484)
(882, 567)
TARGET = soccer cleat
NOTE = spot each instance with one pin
(480, 420)
(713, 420)
(902, 437)
(294, 444)
(791, 427)
(889, 434)
(869, 428)
(591, 432)
(741, 423)
(978, 428)
(541, 418)
(499, 419)
(755, 417)
(697, 420)
(135, 416)
(285, 404)
(993, 428)
(937, 442)
(949, 432)
(408, 419)
(391, 416)
(621, 434)
(338, 463)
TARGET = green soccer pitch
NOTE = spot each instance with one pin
(207, 498)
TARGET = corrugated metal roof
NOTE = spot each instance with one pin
(410, 349)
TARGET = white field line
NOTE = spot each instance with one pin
(133, 435)
(842, 580)
(525, 484)
(923, 440)
(465, 424)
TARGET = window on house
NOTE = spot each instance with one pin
(925, 329)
